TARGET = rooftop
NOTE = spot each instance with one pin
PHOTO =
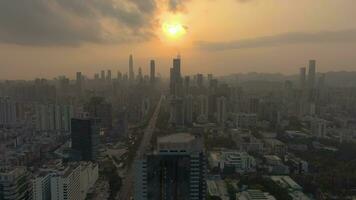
(177, 138)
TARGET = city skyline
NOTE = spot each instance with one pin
(259, 31)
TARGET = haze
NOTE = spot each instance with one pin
(40, 38)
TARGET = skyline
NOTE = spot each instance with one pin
(63, 37)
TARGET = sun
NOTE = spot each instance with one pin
(174, 30)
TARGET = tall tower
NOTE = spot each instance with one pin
(102, 75)
(175, 81)
(311, 75)
(108, 76)
(131, 69)
(152, 71)
(302, 78)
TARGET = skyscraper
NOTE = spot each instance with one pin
(108, 76)
(188, 104)
(177, 170)
(187, 85)
(79, 79)
(119, 76)
(200, 80)
(102, 75)
(175, 78)
(152, 71)
(311, 74)
(131, 69)
(221, 110)
(302, 78)
(139, 75)
(176, 92)
(84, 136)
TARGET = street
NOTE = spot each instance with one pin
(127, 185)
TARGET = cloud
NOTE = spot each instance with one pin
(343, 36)
(177, 5)
(73, 22)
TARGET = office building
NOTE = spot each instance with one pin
(175, 78)
(221, 113)
(187, 85)
(139, 75)
(152, 71)
(176, 111)
(108, 75)
(98, 108)
(102, 75)
(302, 78)
(188, 103)
(200, 80)
(85, 139)
(176, 170)
(203, 102)
(119, 76)
(311, 74)
(131, 69)
(79, 82)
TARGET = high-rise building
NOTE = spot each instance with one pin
(311, 74)
(102, 75)
(96, 76)
(69, 181)
(98, 108)
(203, 108)
(7, 111)
(177, 111)
(85, 139)
(108, 76)
(152, 71)
(221, 110)
(177, 170)
(65, 183)
(119, 76)
(200, 80)
(139, 75)
(15, 184)
(188, 103)
(79, 82)
(53, 117)
(41, 187)
(302, 78)
(131, 69)
(176, 92)
(187, 85)
(318, 127)
(175, 78)
(254, 105)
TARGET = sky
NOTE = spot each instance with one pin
(48, 38)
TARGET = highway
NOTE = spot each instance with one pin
(127, 185)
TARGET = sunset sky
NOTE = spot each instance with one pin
(46, 38)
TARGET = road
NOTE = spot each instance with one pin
(127, 185)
